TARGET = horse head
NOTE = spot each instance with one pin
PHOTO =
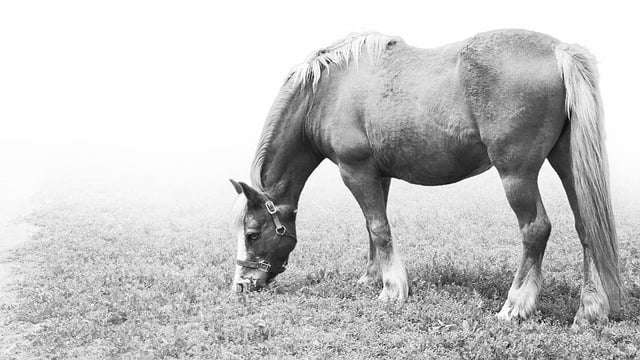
(265, 234)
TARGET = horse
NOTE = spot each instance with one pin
(379, 109)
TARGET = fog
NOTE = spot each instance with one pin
(176, 93)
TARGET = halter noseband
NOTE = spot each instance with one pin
(281, 230)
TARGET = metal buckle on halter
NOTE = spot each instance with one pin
(261, 265)
(264, 266)
(271, 208)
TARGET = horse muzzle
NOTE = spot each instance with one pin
(247, 285)
(246, 281)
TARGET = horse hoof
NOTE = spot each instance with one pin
(511, 312)
(505, 313)
(367, 279)
(584, 319)
(391, 302)
(394, 294)
(594, 309)
(504, 316)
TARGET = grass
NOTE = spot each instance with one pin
(146, 275)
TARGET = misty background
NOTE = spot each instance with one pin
(163, 96)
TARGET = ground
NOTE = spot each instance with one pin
(146, 272)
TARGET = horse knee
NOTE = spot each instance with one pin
(380, 233)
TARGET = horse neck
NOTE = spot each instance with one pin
(290, 158)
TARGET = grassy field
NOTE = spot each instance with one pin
(145, 273)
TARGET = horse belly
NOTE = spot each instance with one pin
(434, 165)
(428, 151)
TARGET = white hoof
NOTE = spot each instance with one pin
(520, 310)
(510, 312)
(368, 279)
(397, 292)
(394, 278)
(522, 302)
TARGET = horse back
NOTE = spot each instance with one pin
(423, 115)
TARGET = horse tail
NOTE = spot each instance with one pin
(589, 164)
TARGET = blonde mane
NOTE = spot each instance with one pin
(337, 56)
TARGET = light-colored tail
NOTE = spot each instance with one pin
(589, 164)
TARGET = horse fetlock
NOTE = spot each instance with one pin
(384, 245)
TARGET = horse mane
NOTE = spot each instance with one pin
(339, 55)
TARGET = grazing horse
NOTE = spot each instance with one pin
(381, 109)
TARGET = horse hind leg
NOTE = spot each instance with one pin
(372, 272)
(524, 198)
(594, 303)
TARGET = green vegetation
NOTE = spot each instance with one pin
(147, 275)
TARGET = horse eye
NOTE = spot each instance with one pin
(253, 236)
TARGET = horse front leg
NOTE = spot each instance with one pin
(367, 186)
(372, 271)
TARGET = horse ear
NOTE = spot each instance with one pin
(236, 186)
(253, 196)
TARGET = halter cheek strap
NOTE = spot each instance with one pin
(281, 230)
(273, 211)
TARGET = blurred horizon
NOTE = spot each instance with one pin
(176, 94)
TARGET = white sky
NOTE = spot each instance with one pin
(133, 87)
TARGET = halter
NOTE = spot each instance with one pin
(281, 230)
